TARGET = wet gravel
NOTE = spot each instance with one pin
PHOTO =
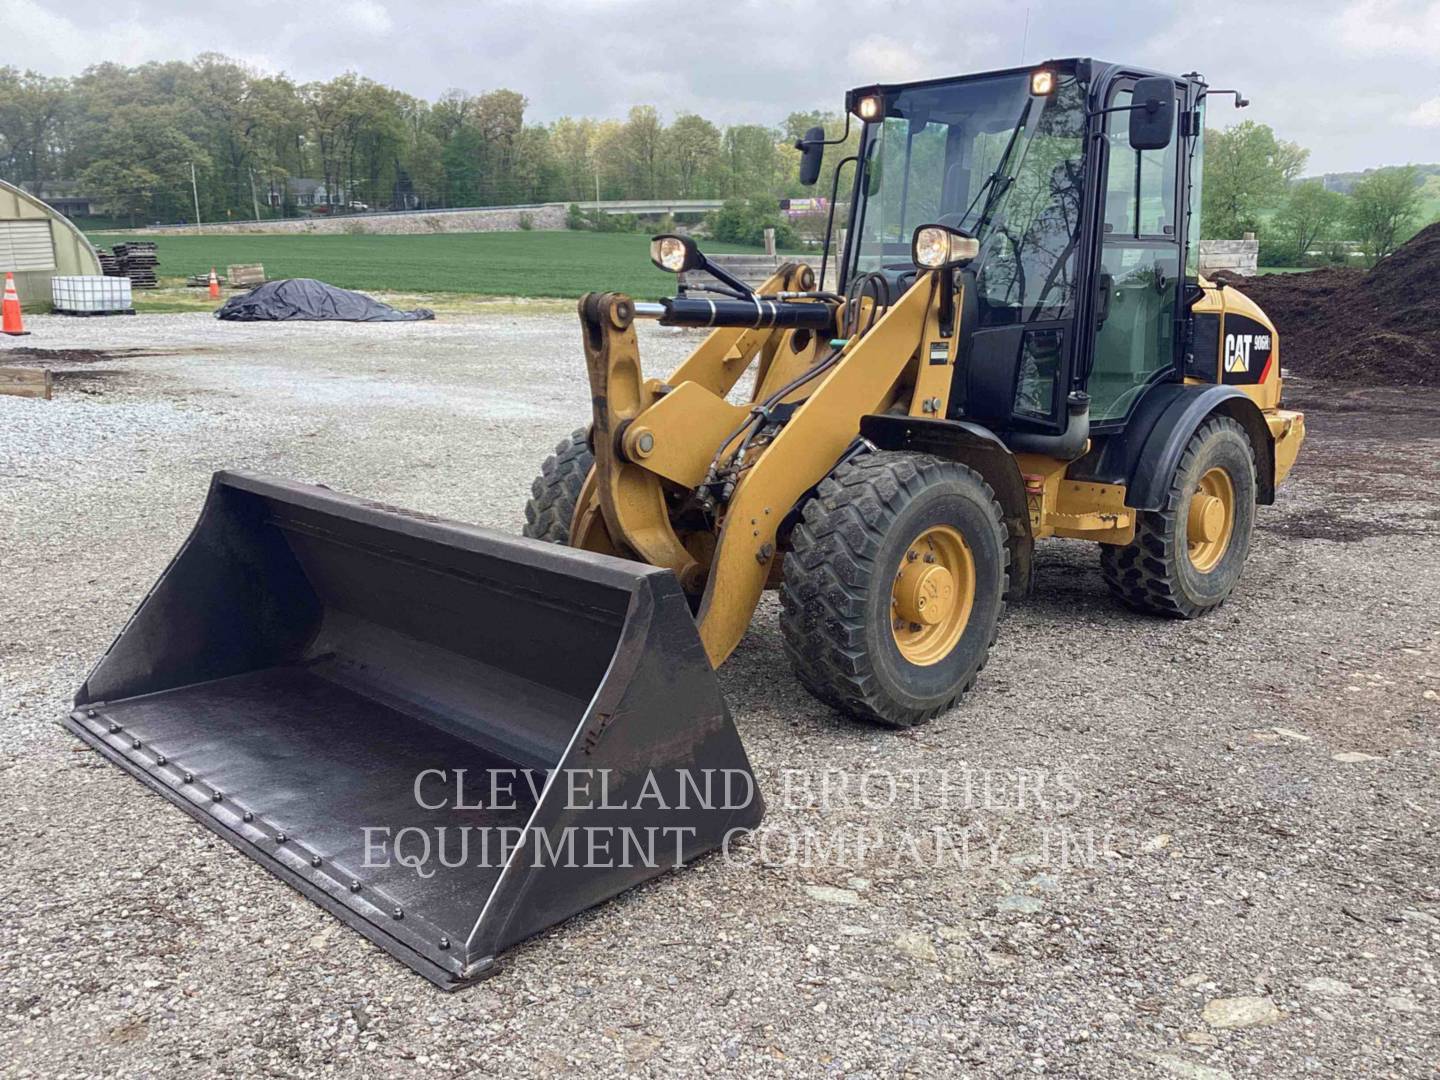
(1199, 849)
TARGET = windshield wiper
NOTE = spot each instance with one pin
(998, 182)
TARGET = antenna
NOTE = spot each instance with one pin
(1025, 36)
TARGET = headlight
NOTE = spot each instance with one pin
(675, 254)
(935, 247)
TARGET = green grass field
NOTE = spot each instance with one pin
(527, 264)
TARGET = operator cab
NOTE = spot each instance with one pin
(1086, 257)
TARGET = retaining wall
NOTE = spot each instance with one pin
(550, 216)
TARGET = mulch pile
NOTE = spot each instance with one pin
(1377, 327)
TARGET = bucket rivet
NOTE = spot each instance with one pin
(91, 713)
(135, 744)
(314, 860)
(399, 913)
(247, 816)
(280, 838)
(217, 796)
(114, 729)
(161, 760)
(354, 886)
(444, 943)
(189, 778)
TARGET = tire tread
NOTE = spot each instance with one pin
(555, 491)
(1144, 574)
(831, 565)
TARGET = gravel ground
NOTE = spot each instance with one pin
(1198, 849)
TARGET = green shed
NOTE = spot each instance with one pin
(38, 242)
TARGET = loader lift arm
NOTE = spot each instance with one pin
(866, 378)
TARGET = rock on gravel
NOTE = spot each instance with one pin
(1238, 1012)
(1328, 987)
(916, 944)
(1019, 905)
(1175, 1065)
(830, 894)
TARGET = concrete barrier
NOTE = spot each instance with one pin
(1237, 256)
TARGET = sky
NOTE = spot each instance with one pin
(1355, 81)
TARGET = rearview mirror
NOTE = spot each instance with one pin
(1152, 113)
(812, 152)
(675, 254)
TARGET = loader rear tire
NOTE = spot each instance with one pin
(1166, 570)
(557, 488)
(874, 526)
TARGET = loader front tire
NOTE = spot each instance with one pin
(557, 488)
(1187, 557)
(884, 536)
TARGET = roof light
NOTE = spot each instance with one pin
(1042, 82)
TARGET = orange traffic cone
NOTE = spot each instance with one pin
(214, 285)
(10, 321)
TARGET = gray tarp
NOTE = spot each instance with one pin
(312, 301)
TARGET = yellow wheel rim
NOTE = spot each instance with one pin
(1211, 520)
(932, 596)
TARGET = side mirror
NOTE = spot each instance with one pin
(1152, 114)
(812, 152)
(675, 254)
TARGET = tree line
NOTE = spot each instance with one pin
(129, 136)
(1251, 183)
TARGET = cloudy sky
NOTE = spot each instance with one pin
(1356, 81)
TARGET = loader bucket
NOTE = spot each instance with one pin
(449, 738)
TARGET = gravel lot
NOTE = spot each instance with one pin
(1246, 805)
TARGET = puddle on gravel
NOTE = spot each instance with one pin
(25, 356)
(1321, 523)
(87, 381)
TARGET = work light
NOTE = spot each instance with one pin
(935, 247)
(1042, 82)
(870, 108)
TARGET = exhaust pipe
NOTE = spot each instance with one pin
(1068, 445)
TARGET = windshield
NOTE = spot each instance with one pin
(984, 156)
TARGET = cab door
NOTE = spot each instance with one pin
(1138, 285)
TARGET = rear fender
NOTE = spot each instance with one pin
(981, 449)
(1144, 456)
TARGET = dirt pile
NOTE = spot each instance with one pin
(1380, 327)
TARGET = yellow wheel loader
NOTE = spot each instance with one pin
(1021, 346)
(453, 739)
